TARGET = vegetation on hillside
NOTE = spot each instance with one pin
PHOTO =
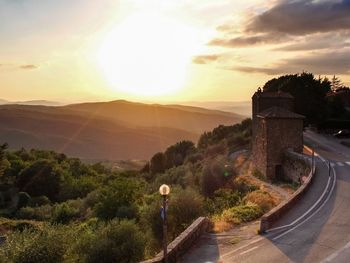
(103, 213)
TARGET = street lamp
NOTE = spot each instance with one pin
(164, 190)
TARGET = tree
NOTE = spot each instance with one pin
(43, 177)
(309, 94)
(116, 242)
(336, 83)
(176, 154)
(157, 163)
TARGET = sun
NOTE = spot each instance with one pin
(147, 55)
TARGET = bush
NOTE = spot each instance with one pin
(37, 246)
(243, 185)
(116, 242)
(184, 207)
(23, 199)
(242, 213)
(40, 213)
(222, 199)
(64, 213)
(261, 198)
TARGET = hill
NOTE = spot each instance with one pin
(106, 130)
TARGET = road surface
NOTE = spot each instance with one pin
(317, 229)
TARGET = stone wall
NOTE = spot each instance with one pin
(273, 215)
(274, 137)
(183, 242)
(295, 166)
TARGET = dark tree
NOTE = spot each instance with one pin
(309, 94)
(157, 164)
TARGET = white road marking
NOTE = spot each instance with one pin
(247, 251)
(332, 164)
(340, 164)
(318, 209)
(335, 254)
(244, 246)
(348, 163)
(312, 207)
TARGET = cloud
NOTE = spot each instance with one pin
(288, 20)
(28, 66)
(303, 17)
(243, 41)
(328, 63)
(205, 59)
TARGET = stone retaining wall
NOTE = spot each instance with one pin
(273, 215)
(183, 242)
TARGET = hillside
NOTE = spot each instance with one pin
(110, 130)
(192, 119)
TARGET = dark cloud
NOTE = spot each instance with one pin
(303, 17)
(205, 59)
(243, 41)
(290, 19)
(328, 63)
(28, 66)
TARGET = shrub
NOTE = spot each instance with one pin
(41, 213)
(242, 213)
(261, 198)
(184, 207)
(222, 199)
(23, 199)
(64, 213)
(116, 242)
(244, 185)
(37, 246)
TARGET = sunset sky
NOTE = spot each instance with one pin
(166, 50)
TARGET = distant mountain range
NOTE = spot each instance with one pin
(107, 130)
(32, 102)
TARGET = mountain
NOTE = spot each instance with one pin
(32, 102)
(106, 130)
(242, 107)
(192, 119)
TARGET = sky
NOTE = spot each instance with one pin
(165, 50)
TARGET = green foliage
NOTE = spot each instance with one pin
(41, 173)
(185, 206)
(242, 213)
(157, 163)
(237, 135)
(42, 213)
(175, 155)
(64, 213)
(37, 246)
(113, 199)
(221, 200)
(115, 242)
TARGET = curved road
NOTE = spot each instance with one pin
(317, 229)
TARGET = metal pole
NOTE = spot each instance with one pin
(329, 168)
(313, 161)
(165, 249)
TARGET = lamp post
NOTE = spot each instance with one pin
(164, 190)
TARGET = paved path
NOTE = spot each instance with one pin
(315, 230)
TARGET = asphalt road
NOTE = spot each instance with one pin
(317, 229)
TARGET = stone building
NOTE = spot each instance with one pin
(276, 128)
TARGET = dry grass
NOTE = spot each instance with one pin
(221, 226)
(265, 200)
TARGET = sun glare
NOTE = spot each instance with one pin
(147, 55)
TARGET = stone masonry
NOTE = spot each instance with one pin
(276, 128)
